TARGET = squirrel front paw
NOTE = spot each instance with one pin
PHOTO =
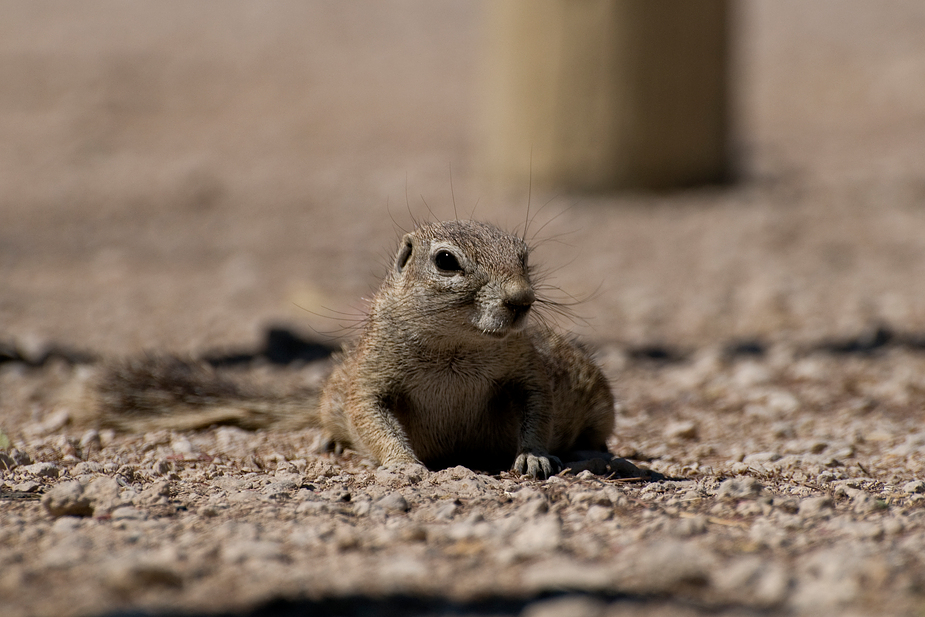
(540, 466)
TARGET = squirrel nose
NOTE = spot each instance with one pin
(518, 294)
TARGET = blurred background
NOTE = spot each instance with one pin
(179, 176)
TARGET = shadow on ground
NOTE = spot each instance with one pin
(548, 603)
(283, 346)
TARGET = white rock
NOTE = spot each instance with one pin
(401, 475)
(280, 489)
(687, 527)
(681, 430)
(362, 508)
(26, 487)
(393, 502)
(136, 573)
(753, 580)
(238, 551)
(390, 477)
(738, 468)
(103, 494)
(867, 530)
(863, 502)
(761, 457)
(230, 483)
(446, 511)
(42, 470)
(538, 536)
(67, 499)
(182, 445)
(765, 531)
(834, 577)
(85, 467)
(70, 551)
(749, 374)
(534, 508)
(66, 525)
(313, 507)
(129, 513)
(916, 486)
(744, 487)
(560, 572)
(598, 513)
(156, 493)
(815, 507)
(663, 566)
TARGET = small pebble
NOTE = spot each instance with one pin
(599, 514)
(693, 526)
(683, 430)
(161, 467)
(362, 508)
(128, 513)
(26, 487)
(813, 507)
(256, 550)
(533, 508)
(103, 493)
(85, 467)
(446, 511)
(42, 470)
(538, 536)
(279, 490)
(67, 499)
(66, 525)
(393, 502)
(916, 486)
(134, 575)
(740, 488)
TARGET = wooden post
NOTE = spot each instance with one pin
(605, 94)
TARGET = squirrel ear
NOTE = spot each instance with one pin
(404, 253)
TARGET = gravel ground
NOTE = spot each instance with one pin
(793, 486)
(192, 178)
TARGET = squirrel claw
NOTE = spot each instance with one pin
(540, 466)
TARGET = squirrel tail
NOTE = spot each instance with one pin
(153, 393)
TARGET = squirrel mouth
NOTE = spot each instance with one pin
(515, 323)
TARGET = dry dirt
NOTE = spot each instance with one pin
(184, 178)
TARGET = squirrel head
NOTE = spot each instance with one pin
(464, 278)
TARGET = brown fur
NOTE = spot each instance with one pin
(446, 372)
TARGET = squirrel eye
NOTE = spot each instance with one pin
(446, 261)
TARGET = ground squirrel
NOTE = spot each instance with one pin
(447, 370)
